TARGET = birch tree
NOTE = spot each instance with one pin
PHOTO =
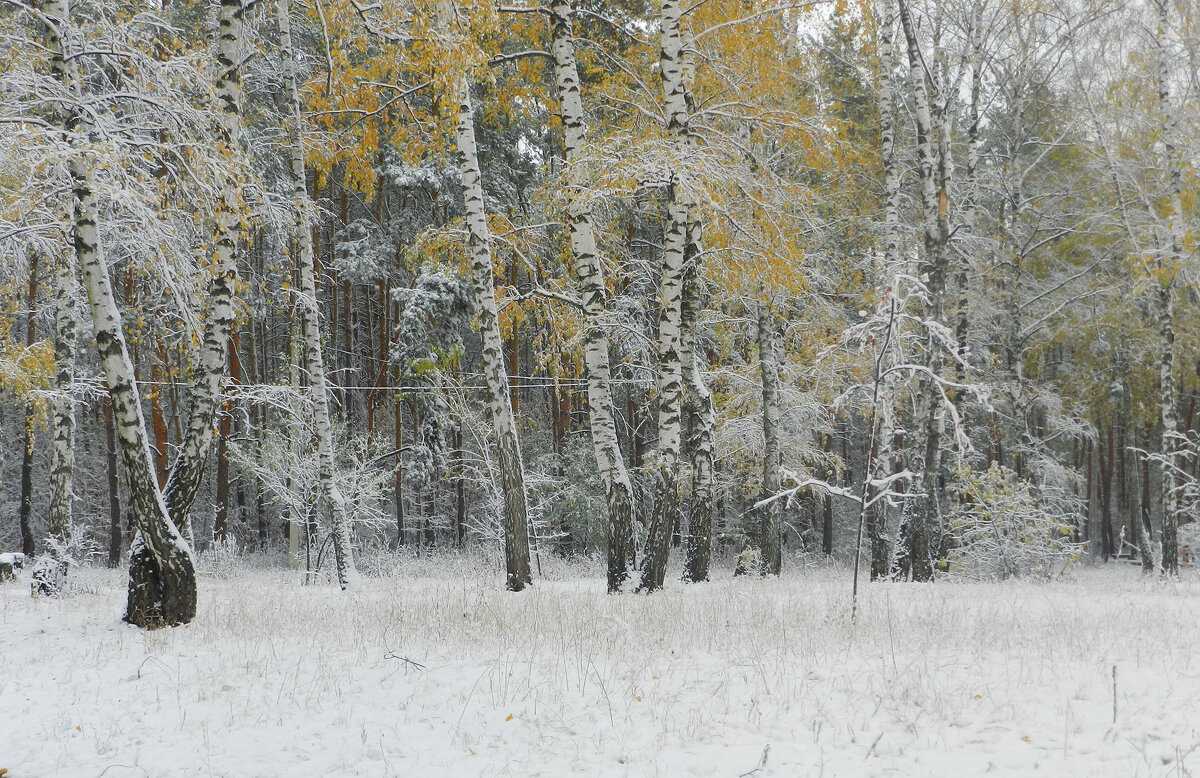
(918, 533)
(589, 274)
(162, 578)
(306, 304)
(671, 291)
(207, 393)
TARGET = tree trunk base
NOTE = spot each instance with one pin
(159, 596)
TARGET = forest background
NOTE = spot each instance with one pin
(753, 280)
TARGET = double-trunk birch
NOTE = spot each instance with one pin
(670, 322)
(618, 489)
(162, 575)
(310, 332)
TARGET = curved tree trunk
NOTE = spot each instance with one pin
(310, 332)
(162, 574)
(618, 489)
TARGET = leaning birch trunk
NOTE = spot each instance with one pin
(207, 394)
(1168, 268)
(670, 365)
(512, 475)
(935, 206)
(768, 361)
(162, 573)
(314, 362)
(618, 489)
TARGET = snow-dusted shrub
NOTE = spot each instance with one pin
(1000, 530)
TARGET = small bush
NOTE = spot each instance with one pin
(1001, 531)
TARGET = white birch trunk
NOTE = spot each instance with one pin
(918, 538)
(162, 577)
(971, 204)
(697, 398)
(512, 476)
(62, 454)
(670, 364)
(207, 393)
(589, 274)
(1165, 292)
(893, 260)
(768, 361)
(310, 330)
(703, 417)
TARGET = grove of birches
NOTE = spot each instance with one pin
(691, 289)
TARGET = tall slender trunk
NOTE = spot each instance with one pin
(768, 362)
(702, 416)
(893, 259)
(697, 399)
(115, 541)
(1169, 266)
(670, 363)
(314, 362)
(512, 475)
(187, 471)
(162, 575)
(935, 207)
(25, 511)
(1106, 452)
(971, 201)
(62, 454)
(618, 490)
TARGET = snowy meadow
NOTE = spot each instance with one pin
(433, 670)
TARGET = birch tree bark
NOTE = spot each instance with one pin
(703, 417)
(310, 332)
(768, 360)
(62, 453)
(187, 471)
(512, 475)
(25, 510)
(669, 347)
(162, 577)
(876, 518)
(935, 220)
(1168, 267)
(618, 489)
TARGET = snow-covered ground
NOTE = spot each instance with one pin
(436, 672)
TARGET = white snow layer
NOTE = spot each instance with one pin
(444, 674)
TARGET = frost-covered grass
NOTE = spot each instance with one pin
(431, 670)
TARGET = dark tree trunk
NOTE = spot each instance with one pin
(115, 539)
